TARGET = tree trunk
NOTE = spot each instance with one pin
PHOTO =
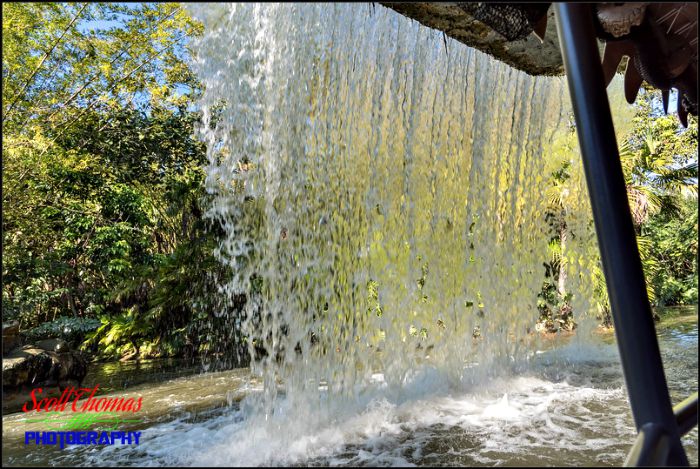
(561, 282)
(71, 303)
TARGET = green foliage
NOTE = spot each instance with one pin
(661, 168)
(103, 191)
(58, 65)
(659, 160)
(70, 329)
(104, 180)
(674, 245)
(119, 332)
(373, 298)
(553, 301)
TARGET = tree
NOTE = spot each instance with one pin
(659, 161)
(62, 60)
(103, 192)
(674, 245)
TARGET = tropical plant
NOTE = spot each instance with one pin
(659, 161)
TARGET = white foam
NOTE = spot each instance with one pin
(486, 425)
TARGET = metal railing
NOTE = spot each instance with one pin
(686, 414)
(659, 427)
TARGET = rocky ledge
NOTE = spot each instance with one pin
(46, 363)
(530, 55)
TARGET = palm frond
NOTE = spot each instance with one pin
(675, 179)
(643, 201)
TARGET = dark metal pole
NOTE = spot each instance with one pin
(687, 414)
(651, 447)
(634, 325)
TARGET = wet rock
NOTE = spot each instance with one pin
(25, 366)
(53, 345)
(46, 363)
(10, 336)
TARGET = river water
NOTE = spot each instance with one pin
(566, 406)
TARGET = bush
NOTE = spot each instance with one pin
(71, 329)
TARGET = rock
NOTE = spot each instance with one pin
(34, 365)
(9, 343)
(10, 336)
(10, 328)
(530, 55)
(29, 367)
(53, 345)
(25, 366)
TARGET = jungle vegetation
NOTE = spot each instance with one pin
(106, 242)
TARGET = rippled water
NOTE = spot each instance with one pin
(568, 407)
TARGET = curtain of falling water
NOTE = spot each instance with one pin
(382, 194)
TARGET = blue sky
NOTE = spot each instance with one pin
(104, 25)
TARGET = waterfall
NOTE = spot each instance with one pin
(382, 190)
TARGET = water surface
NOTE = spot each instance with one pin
(566, 407)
